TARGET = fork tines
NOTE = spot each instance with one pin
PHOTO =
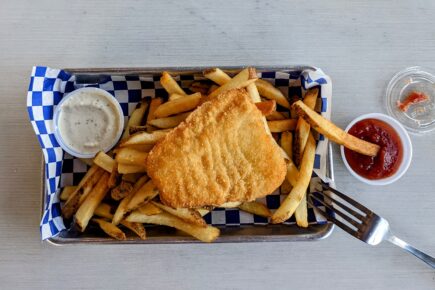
(349, 217)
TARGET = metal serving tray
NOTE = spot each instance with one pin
(165, 235)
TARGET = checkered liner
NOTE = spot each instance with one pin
(48, 86)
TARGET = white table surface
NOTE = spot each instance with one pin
(360, 45)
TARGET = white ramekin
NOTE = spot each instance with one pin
(406, 146)
(90, 90)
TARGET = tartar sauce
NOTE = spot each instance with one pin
(88, 122)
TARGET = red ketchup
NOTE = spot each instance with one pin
(411, 99)
(389, 156)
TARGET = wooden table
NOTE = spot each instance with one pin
(360, 45)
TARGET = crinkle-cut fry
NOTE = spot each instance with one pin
(186, 214)
(170, 85)
(155, 103)
(199, 87)
(256, 208)
(104, 161)
(293, 199)
(131, 156)
(279, 126)
(274, 116)
(205, 234)
(181, 105)
(110, 229)
(127, 168)
(66, 192)
(73, 200)
(241, 80)
(87, 208)
(268, 91)
(217, 75)
(169, 122)
(267, 107)
(302, 127)
(143, 195)
(136, 117)
(144, 138)
(122, 190)
(333, 133)
(136, 228)
(121, 210)
(89, 185)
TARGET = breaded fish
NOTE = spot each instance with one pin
(221, 153)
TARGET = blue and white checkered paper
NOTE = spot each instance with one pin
(48, 86)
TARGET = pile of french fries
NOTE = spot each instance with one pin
(116, 194)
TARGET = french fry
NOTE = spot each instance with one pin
(285, 187)
(203, 211)
(144, 138)
(256, 208)
(136, 129)
(268, 91)
(186, 214)
(217, 75)
(230, 204)
(253, 93)
(241, 80)
(149, 209)
(177, 106)
(131, 177)
(170, 85)
(205, 234)
(114, 175)
(104, 210)
(287, 143)
(87, 208)
(136, 228)
(155, 103)
(301, 213)
(104, 161)
(121, 210)
(122, 190)
(267, 107)
(333, 133)
(129, 156)
(303, 128)
(173, 97)
(127, 168)
(199, 87)
(90, 184)
(212, 89)
(143, 195)
(136, 117)
(293, 199)
(169, 122)
(110, 229)
(292, 173)
(66, 192)
(276, 116)
(282, 125)
(73, 200)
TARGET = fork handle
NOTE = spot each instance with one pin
(410, 249)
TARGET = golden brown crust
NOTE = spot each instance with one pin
(220, 153)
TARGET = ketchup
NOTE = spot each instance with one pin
(411, 99)
(390, 153)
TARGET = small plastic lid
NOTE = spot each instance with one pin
(420, 117)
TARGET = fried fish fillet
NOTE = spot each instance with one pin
(221, 153)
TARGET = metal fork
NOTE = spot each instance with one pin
(360, 222)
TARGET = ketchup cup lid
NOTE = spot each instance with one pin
(420, 117)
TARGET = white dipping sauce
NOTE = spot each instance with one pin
(88, 122)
